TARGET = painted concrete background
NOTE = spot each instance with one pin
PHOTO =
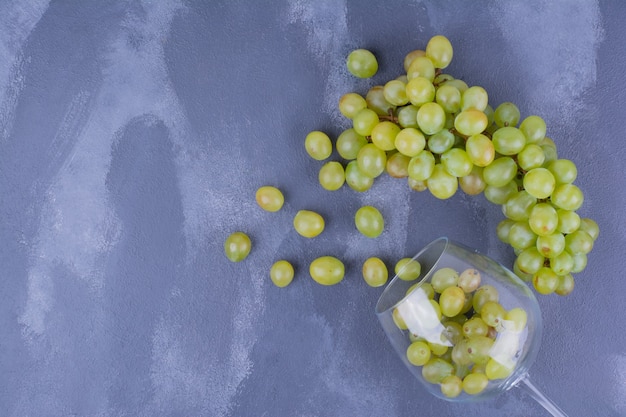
(133, 136)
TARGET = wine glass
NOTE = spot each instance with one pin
(469, 352)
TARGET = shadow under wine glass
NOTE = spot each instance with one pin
(442, 351)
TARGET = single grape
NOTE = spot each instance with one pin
(375, 99)
(543, 219)
(492, 314)
(564, 171)
(500, 172)
(397, 165)
(350, 104)
(408, 269)
(503, 228)
(521, 236)
(480, 150)
(532, 156)
(474, 98)
(441, 184)
(269, 198)
(375, 272)
(483, 294)
(551, 245)
(308, 223)
(539, 182)
(410, 141)
(567, 196)
(475, 326)
(418, 353)
(508, 140)
(456, 162)
(451, 301)
(421, 166)
(478, 349)
(384, 135)
(318, 145)
(327, 270)
(408, 59)
(439, 50)
(459, 354)
(420, 91)
(496, 370)
(364, 121)
(451, 386)
(499, 195)
(470, 122)
(395, 93)
(533, 128)
(417, 185)
(545, 281)
(362, 63)
(459, 84)
(579, 242)
(580, 262)
(449, 98)
(237, 246)
(473, 184)
(281, 273)
(566, 285)
(398, 320)
(407, 116)
(356, 179)
(469, 280)
(591, 227)
(519, 206)
(444, 278)
(424, 287)
(423, 67)
(369, 221)
(530, 260)
(436, 369)
(349, 143)
(515, 319)
(563, 263)
(332, 176)
(431, 118)
(506, 114)
(438, 349)
(371, 160)
(569, 221)
(441, 141)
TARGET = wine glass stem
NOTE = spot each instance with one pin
(538, 396)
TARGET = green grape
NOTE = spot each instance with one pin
(407, 116)
(408, 59)
(431, 118)
(533, 128)
(591, 227)
(398, 320)
(349, 143)
(563, 263)
(453, 332)
(503, 228)
(500, 172)
(375, 99)
(480, 150)
(545, 281)
(569, 221)
(519, 205)
(437, 349)
(532, 156)
(318, 145)
(441, 184)
(420, 91)
(410, 142)
(441, 141)
(417, 185)
(499, 195)
(237, 246)
(566, 285)
(539, 182)
(470, 122)
(474, 98)
(551, 245)
(467, 306)
(579, 242)
(492, 314)
(475, 327)
(478, 348)
(442, 78)
(489, 113)
(473, 184)
(327, 270)
(356, 179)
(580, 262)
(496, 370)
(350, 104)
(522, 275)
(469, 280)
(459, 353)
(384, 135)
(564, 171)
(371, 160)
(506, 114)
(543, 219)
(483, 294)
(449, 98)
(529, 261)
(364, 122)
(269, 198)
(451, 301)
(418, 353)
(395, 93)
(439, 50)
(362, 63)
(451, 386)
(369, 221)
(423, 67)
(521, 236)
(444, 278)
(308, 223)
(456, 162)
(397, 165)
(375, 272)
(424, 287)
(567, 196)
(459, 84)
(508, 140)
(281, 273)
(516, 319)
(421, 166)
(436, 369)
(550, 153)
(408, 269)
(332, 176)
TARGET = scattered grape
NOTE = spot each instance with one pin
(281, 273)
(327, 270)
(369, 221)
(270, 198)
(237, 246)
(362, 63)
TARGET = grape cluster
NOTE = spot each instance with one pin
(463, 338)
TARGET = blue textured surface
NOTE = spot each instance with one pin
(133, 136)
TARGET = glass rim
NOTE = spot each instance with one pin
(416, 284)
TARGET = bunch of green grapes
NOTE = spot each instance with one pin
(464, 339)
(442, 135)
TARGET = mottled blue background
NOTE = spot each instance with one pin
(133, 135)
